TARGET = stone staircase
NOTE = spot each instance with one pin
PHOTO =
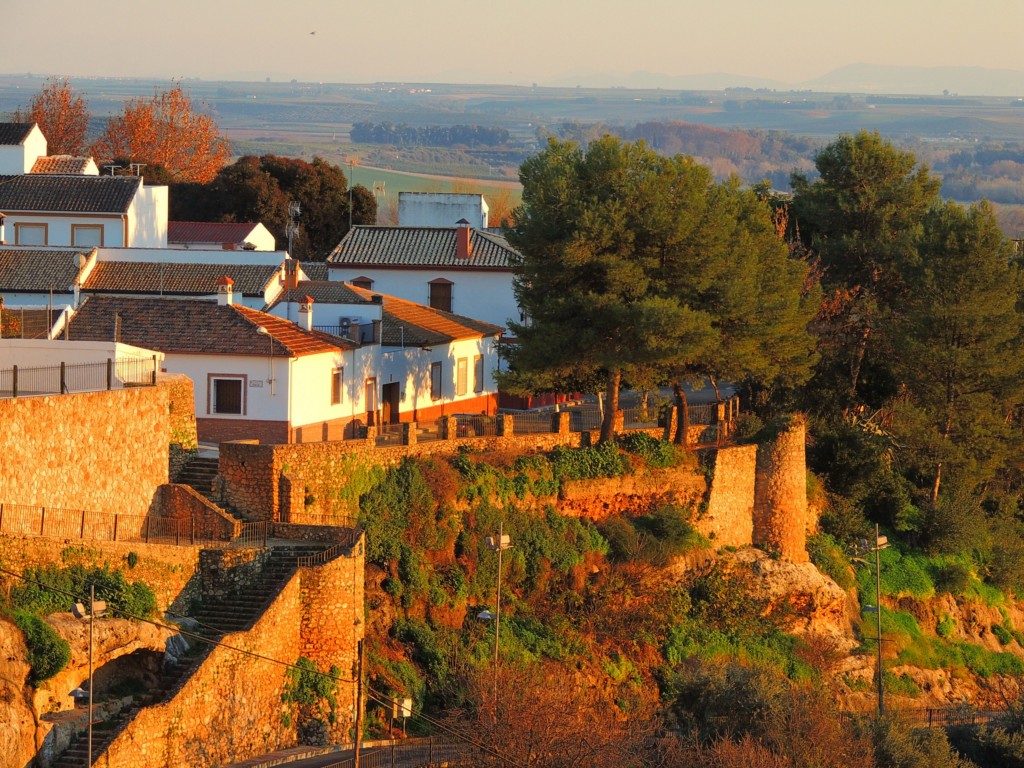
(216, 618)
(199, 474)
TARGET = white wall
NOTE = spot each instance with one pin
(311, 385)
(40, 352)
(480, 295)
(58, 227)
(441, 209)
(19, 158)
(263, 400)
(156, 254)
(147, 218)
(411, 368)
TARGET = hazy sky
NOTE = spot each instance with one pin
(517, 41)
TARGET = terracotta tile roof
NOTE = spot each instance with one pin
(208, 231)
(14, 133)
(61, 164)
(177, 279)
(67, 194)
(35, 271)
(190, 326)
(324, 292)
(420, 247)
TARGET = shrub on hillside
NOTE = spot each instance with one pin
(47, 590)
(48, 652)
(590, 463)
(656, 453)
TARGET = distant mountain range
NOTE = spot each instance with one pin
(853, 78)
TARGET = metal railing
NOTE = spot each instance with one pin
(531, 422)
(428, 431)
(642, 417)
(421, 753)
(933, 717)
(475, 425)
(702, 414)
(253, 534)
(59, 522)
(65, 378)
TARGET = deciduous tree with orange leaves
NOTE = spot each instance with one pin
(166, 130)
(62, 115)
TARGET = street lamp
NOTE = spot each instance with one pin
(498, 544)
(881, 542)
(270, 348)
(96, 607)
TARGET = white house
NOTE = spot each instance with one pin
(82, 211)
(441, 209)
(255, 375)
(211, 235)
(431, 363)
(21, 144)
(455, 269)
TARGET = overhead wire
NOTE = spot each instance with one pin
(376, 696)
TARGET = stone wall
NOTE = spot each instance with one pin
(208, 521)
(630, 495)
(100, 451)
(230, 709)
(228, 571)
(780, 494)
(333, 626)
(181, 409)
(728, 517)
(170, 571)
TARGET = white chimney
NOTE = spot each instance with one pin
(306, 313)
(3, 237)
(225, 293)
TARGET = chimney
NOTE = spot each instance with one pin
(463, 246)
(3, 238)
(306, 313)
(291, 274)
(225, 293)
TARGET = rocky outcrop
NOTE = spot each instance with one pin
(17, 720)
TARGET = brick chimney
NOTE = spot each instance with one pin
(306, 313)
(463, 244)
(225, 292)
(291, 274)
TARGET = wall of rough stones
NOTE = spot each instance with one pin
(780, 494)
(333, 625)
(231, 708)
(728, 517)
(181, 409)
(169, 570)
(206, 520)
(100, 451)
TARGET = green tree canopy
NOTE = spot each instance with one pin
(862, 218)
(640, 267)
(261, 188)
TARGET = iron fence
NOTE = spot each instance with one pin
(531, 422)
(421, 753)
(65, 378)
(428, 431)
(475, 425)
(641, 417)
(933, 717)
(702, 414)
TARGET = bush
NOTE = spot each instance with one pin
(603, 460)
(953, 578)
(829, 558)
(656, 453)
(945, 627)
(48, 652)
(45, 590)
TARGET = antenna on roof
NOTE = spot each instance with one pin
(292, 228)
(113, 168)
(136, 168)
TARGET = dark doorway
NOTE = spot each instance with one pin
(371, 402)
(390, 395)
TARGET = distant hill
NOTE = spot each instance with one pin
(853, 78)
(872, 78)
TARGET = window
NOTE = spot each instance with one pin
(435, 381)
(30, 234)
(338, 386)
(478, 373)
(461, 375)
(363, 282)
(441, 294)
(87, 235)
(227, 396)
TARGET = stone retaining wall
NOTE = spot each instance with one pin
(780, 494)
(101, 451)
(208, 521)
(728, 517)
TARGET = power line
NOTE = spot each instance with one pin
(372, 694)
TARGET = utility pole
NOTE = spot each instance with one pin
(359, 704)
(92, 614)
(878, 614)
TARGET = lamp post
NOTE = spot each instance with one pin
(881, 542)
(270, 351)
(80, 613)
(497, 544)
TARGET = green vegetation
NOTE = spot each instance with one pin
(48, 652)
(313, 696)
(48, 589)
